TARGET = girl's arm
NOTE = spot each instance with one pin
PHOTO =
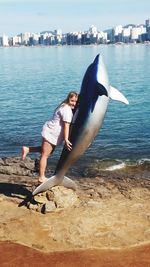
(66, 136)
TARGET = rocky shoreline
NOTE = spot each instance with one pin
(104, 213)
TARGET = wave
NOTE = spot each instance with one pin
(131, 168)
(116, 167)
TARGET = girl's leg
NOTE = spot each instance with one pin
(26, 150)
(46, 150)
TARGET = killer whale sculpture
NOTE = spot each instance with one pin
(94, 98)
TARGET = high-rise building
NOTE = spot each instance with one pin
(25, 38)
(58, 32)
(136, 33)
(126, 34)
(148, 34)
(147, 23)
(93, 30)
(117, 34)
(5, 40)
(16, 40)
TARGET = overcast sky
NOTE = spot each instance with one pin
(18, 16)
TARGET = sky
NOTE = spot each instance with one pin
(19, 16)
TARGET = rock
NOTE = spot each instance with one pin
(41, 198)
(57, 198)
(50, 195)
(36, 207)
(16, 166)
(64, 197)
(92, 203)
(49, 207)
(1, 198)
(104, 192)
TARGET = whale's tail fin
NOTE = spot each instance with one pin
(54, 181)
(116, 95)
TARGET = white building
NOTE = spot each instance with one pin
(5, 40)
(136, 33)
(93, 30)
(25, 38)
(118, 30)
(58, 32)
(126, 34)
(102, 37)
(16, 40)
(35, 37)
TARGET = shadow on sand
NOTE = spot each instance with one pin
(19, 191)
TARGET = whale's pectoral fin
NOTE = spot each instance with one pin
(101, 90)
(116, 95)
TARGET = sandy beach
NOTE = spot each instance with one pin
(106, 222)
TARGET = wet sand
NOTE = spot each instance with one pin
(15, 255)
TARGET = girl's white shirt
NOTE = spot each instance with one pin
(53, 130)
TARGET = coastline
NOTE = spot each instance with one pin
(111, 219)
(88, 45)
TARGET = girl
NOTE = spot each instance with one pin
(54, 132)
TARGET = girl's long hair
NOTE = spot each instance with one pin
(66, 100)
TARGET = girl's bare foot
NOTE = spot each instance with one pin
(25, 151)
(42, 179)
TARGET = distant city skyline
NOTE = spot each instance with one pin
(18, 16)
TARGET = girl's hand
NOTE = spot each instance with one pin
(68, 145)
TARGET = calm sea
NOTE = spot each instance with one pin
(33, 81)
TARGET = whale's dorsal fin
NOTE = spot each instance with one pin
(116, 95)
(101, 90)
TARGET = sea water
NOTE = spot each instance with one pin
(34, 80)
